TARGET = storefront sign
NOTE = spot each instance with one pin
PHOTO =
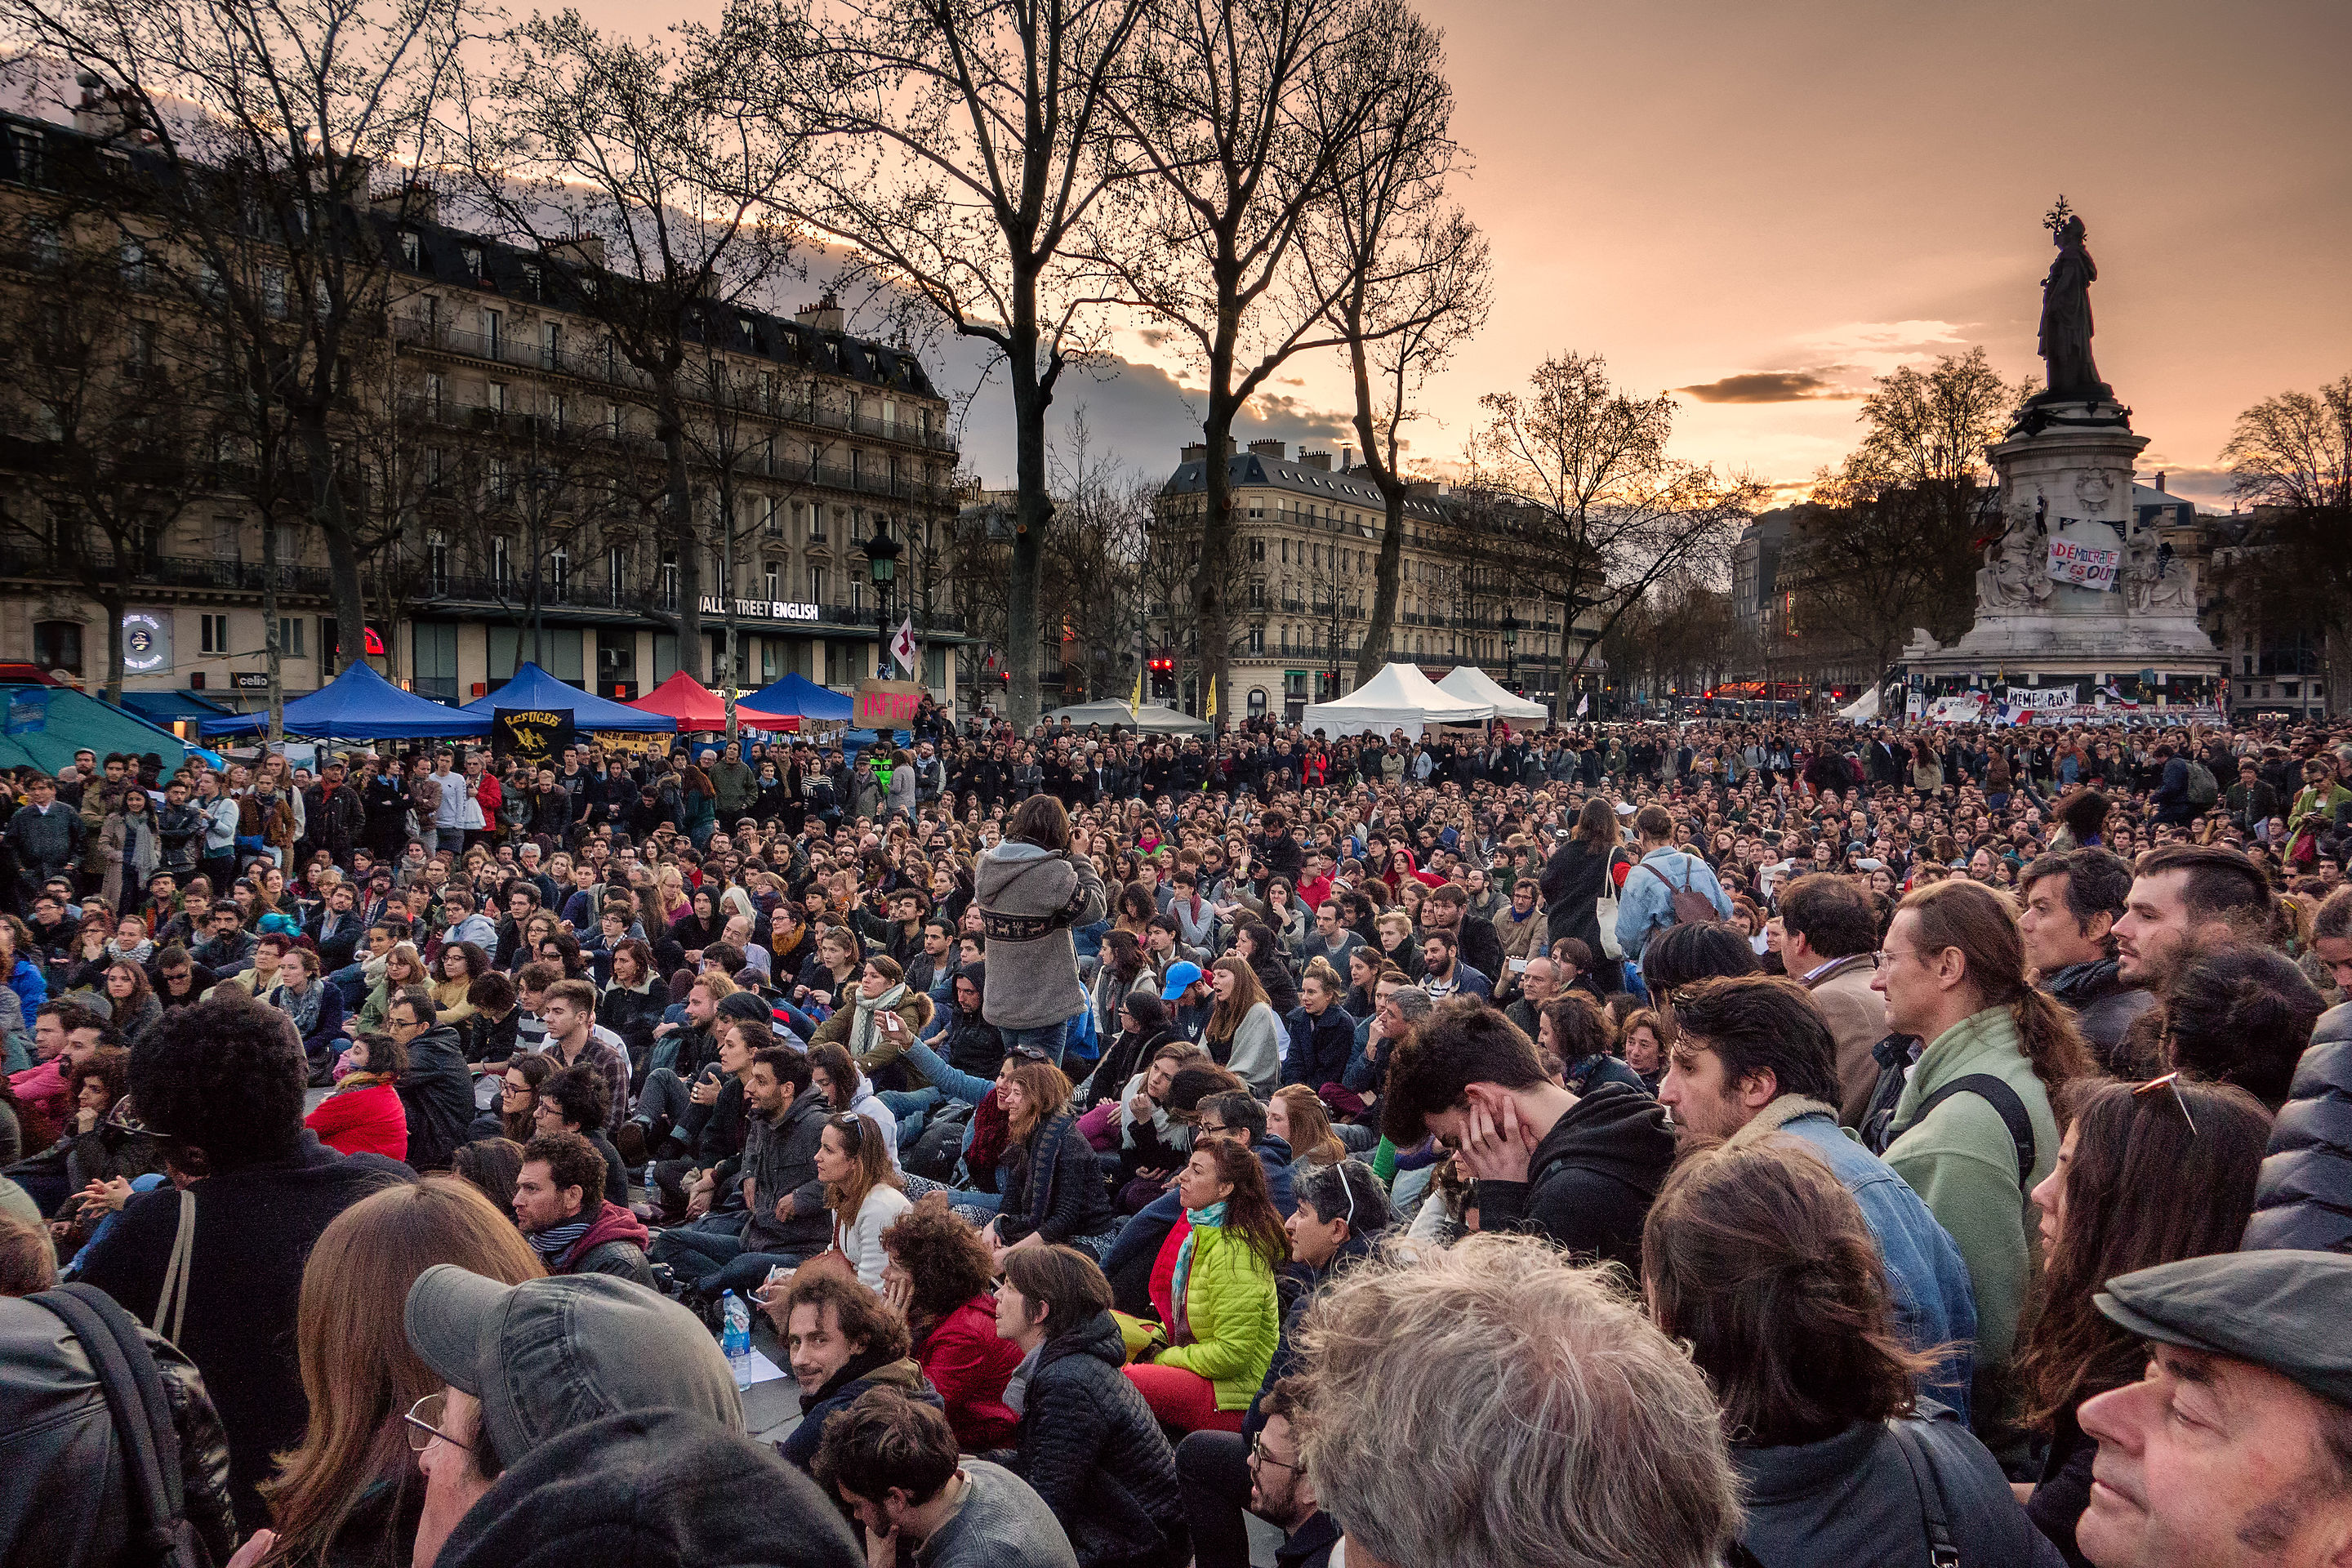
(2083, 566)
(250, 680)
(146, 641)
(761, 609)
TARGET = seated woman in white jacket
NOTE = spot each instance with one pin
(834, 1074)
(1243, 1034)
(861, 1190)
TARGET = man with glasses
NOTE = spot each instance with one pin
(526, 1364)
(438, 1090)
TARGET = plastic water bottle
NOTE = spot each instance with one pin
(735, 1341)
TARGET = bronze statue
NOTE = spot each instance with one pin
(2066, 345)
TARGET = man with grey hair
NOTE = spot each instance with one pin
(1492, 1404)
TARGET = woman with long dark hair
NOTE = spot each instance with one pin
(1053, 1184)
(1580, 872)
(2148, 1173)
(1219, 1314)
(350, 1494)
(1760, 1261)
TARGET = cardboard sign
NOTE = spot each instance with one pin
(535, 736)
(887, 704)
(2083, 566)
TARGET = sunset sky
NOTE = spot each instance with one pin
(1782, 201)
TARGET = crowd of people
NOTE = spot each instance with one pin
(1716, 1143)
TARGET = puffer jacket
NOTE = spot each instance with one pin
(1090, 1447)
(969, 1365)
(1054, 1188)
(1319, 1047)
(62, 1484)
(1029, 899)
(2303, 1199)
(1232, 1314)
(437, 1092)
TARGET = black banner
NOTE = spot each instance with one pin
(535, 736)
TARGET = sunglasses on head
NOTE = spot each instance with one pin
(1029, 1053)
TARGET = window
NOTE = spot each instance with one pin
(1258, 639)
(32, 164)
(143, 339)
(817, 585)
(436, 466)
(436, 561)
(816, 524)
(501, 563)
(43, 246)
(289, 637)
(472, 256)
(1257, 549)
(772, 577)
(558, 571)
(774, 525)
(497, 397)
(56, 645)
(493, 332)
(214, 633)
(437, 393)
(616, 572)
(409, 247)
(273, 291)
(134, 264)
(557, 409)
(669, 580)
(550, 345)
(1257, 703)
(531, 278)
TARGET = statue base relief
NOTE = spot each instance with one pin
(2124, 605)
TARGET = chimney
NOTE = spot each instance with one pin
(580, 250)
(1195, 452)
(1230, 447)
(2159, 481)
(1268, 449)
(1316, 460)
(412, 200)
(825, 315)
(1346, 459)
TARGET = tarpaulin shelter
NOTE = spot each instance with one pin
(699, 709)
(1399, 698)
(534, 688)
(1151, 718)
(358, 705)
(1473, 684)
(798, 697)
(47, 724)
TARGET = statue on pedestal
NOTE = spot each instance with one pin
(2065, 341)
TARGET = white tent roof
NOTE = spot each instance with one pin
(1473, 684)
(1863, 709)
(1399, 698)
(1150, 718)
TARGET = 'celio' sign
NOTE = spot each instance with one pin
(763, 609)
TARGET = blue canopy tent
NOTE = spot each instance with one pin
(534, 688)
(359, 704)
(796, 696)
(47, 724)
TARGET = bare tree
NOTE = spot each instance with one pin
(1234, 122)
(105, 436)
(2291, 456)
(1411, 273)
(958, 149)
(1603, 513)
(640, 169)
(246, 138)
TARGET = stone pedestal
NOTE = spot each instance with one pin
(2065, 478)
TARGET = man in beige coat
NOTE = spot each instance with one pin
(1828, 936)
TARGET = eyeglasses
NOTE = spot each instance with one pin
(424, 1421)
(1259, 1455)
(2171, 1080)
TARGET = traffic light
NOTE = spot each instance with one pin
(1163, 677)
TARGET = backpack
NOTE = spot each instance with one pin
(2203, 788)
(140, 1412)
(1690, 907)
(939, 1144)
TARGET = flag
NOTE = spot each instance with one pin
(1137, 700)
(902, 645)
(1211, 713)
(1583, 704)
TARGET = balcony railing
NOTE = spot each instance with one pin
(181, 571)
(581, 593)
(524, 353)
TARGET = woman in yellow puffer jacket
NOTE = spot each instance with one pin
(1213, 1286)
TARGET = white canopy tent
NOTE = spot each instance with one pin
(1150, 719)
(1399, 698)
(1863, 709)
(1473, 684)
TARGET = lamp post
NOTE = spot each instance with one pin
(1510, 650)
(882, 564)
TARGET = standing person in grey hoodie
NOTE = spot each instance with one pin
(1031, 891)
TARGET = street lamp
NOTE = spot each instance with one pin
(1511, 651)
(882, 563)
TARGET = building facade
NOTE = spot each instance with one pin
(1306, 551)
(505, 456)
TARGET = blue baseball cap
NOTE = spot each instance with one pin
(1181, 977)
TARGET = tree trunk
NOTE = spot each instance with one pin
(113, 604)
(1032, 515)
(342, 552)
(1211, 583)
(691, 655)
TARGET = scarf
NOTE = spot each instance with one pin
(304, 1009)
(861, 1031)
(1015, 1397)
(556, 1240)
(1214, 1215)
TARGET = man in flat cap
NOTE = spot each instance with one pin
(2235, 1449)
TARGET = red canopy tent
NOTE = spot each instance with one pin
(696, 708)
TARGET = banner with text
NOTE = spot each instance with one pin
(536, 736)
(887, 704)
(2083, 566)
